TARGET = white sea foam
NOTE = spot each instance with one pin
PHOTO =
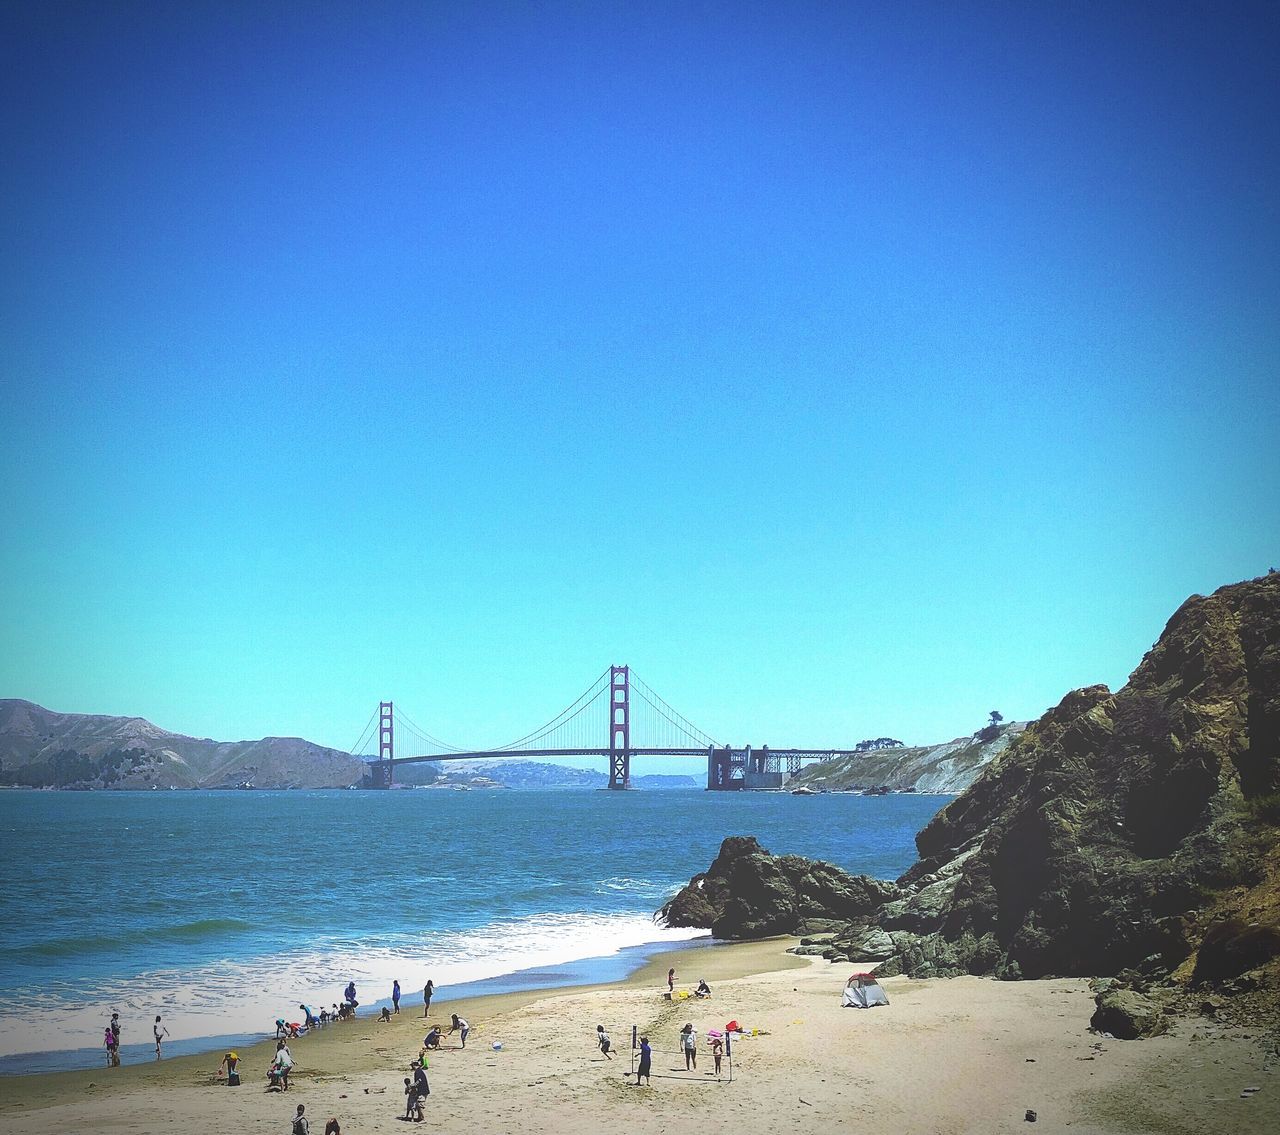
(235, 996)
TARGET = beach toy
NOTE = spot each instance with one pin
(732, 1027)
(684, 995)
(713, 1034)
(497, 1046)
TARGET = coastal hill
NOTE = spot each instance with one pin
(40, 748)
(950, 767)
(1134, 833)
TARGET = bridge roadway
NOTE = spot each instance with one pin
(728, 769)
(496, 754)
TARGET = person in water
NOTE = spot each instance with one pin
(603, 1042)
(395, 995)
(646, 1062)
(160, 1033)
(427, 991)
(460, 1025)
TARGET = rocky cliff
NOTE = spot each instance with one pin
(950, 767)
(41, 748)
(1129, 832)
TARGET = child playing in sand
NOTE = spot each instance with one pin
(603, 1042)
(460, 1025)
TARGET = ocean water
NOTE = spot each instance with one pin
(224, 910)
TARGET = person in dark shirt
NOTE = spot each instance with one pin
(646, 1061)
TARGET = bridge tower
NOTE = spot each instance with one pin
(386, 745)
(619, 727)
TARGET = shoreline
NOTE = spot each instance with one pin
(715, 961)
(614, 968)
(964, 1055)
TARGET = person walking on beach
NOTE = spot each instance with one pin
(671, 980)
(160, 1033)
(603, 1042)
(427, 991)
(109, 1039)
(689, 1042)
(395, 995)
(460, 1025)
(301, 1125)
(113, 1050)
(646, 1062)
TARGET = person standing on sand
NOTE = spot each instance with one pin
(301, 1126)
(671, 980)
(115, 1033)
(646, 1062)
(109, 1039)
(395, 995)
(427, 991)
(160, 1032)
(689, 1042)
(603, 1042)
(460, 1025)
(717, 1051)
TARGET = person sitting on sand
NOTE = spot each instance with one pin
(432, 1039)
(460, 1025)
(603, 1043)
(385, 1015)
(703, 990)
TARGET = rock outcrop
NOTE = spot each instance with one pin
(749, 893)
(946, 768)
(1131, 832)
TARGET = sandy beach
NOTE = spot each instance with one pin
(964, 1055)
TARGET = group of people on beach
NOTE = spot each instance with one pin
(111, 1038)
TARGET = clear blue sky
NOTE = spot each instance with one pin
(846, 369)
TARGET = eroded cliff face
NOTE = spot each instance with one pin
(1117, 833)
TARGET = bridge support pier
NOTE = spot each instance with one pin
(381, 774)
(619, 727)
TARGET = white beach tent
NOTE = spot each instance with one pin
(862, 991)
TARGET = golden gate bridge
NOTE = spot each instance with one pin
(605, 720)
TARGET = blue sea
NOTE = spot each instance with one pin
(224, 910)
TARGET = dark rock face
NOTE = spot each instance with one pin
(1097, 843)
(1232, 947)
(749, 893)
